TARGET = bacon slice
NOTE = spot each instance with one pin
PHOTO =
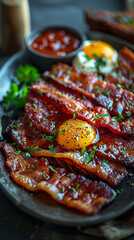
(103, 93)
(74, 191)
(109, 171)
(97, 116)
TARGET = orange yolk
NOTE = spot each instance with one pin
(75, 134)
(99, 48)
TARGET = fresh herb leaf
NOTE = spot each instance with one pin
(118, 191)
(54, 73)
(51, 149)
(15, 126)
(52, 169)
(63, 189)
(123, 150)
(35, 106)
(128, 114)
(40, 93)
(68, 72)
(74, 117)
(63, 131)
(31, 148)
(83, 150)
(17, 152)
(120, 85)
(27, 74)
(27, 155)
(87, 58)
(106, 92)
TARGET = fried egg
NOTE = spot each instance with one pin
(96, 56)
(75, 134)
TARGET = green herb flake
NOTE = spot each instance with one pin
(128, 114)
(27, 155)
(96, 89)
(60, 95)
(106, 92)
(83, 150)
(54, 73)
(51, 149)
(120, 85)
(17, 152)
(114, 74)
(84, 97)
(63, 189)
(105, 162)
(40, 93)
(123, 150)
(74, 117)
(43, 175)
(63, 130)
(44, 120)
(120, 73)
(68, 72)
(33, 166)
(88, 133)
(31, 124)
(87, 58)
(15, 126)
(80, 127)
(128, 104)
(118, 191)
(52, 122)
(68, 175)
(35, 106)
(52, 169)
(31, 148)
(100, 78)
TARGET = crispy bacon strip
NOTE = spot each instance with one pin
(97, 116)
(111, 172)
(105, 94)
(109, 146)
(74, 191)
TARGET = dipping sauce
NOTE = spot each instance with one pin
(56, 43)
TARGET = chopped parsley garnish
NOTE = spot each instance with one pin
(105, 162)
(17, 152)
(63, 130)
(100, 78)
(118, 191)
(32, 149)
(76, 189)
(84, 98)
(91, 155)
(15, 126)
(120, 117)
(123, 150)
(35, 106)
(68, 72)
(96, 89)
(80, 127)
(88, 133)
(27, 155)
(14, 144)
(120, 73)
(60, 95)
(106, 92)
(49, 138)
(44, 120)
(40, 92)
(128, 104)
(51, 149)
(43, 175)
(68, 175)
(18, 93)
(63, 189)
(120, 85)
(87, 58)
(83, 150)
(33, 166)
(101, 115)
(54, 73)
(31, 124)
(99, 61)
(128, 114)
(114, 118)
(114, 74)
(74, 117)
(52, 122)
(52, 169)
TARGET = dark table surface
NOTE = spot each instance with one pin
(15, 224)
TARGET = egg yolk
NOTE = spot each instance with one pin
(75, 134)
(99, 48)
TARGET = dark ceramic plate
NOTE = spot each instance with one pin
(41, 205)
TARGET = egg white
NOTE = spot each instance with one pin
(85, 65)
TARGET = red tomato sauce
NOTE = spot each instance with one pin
(56, 43)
